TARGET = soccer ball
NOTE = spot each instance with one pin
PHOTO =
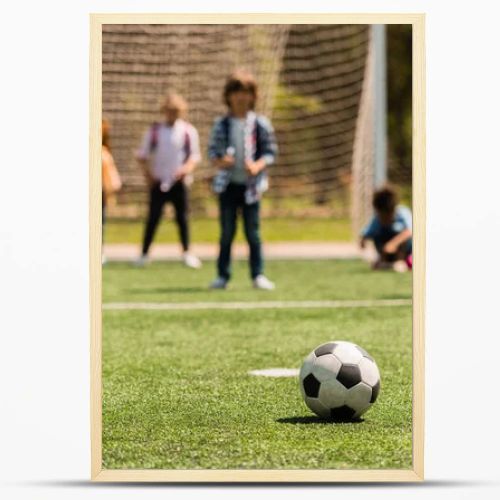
(339, 381)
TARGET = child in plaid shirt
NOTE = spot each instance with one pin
(241, 146)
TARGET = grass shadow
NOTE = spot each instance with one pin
(313, 419)
(393, 296)
(166, 290)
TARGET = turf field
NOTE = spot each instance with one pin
(207, 230)
(177, 393)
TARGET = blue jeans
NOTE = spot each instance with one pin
(230, 201)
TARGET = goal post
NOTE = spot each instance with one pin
(369, 165)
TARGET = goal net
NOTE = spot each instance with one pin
(315, 83)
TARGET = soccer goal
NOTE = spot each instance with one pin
(323, 87)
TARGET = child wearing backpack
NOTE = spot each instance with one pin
(242, 145)
(168, 155)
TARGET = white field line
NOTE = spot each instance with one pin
(281, 304)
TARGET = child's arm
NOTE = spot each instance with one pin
(392, 245)
(187, 168)
(224, 162)
(268, 145)
(368, 232)
(144, 164)
(216, 144)
(111, 178)
(254, 167)
(194, 156)
(142, 157)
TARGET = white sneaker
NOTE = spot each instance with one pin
(142, 261)
(262, 283)
(400, 266)
(191, 260)
(218, 283)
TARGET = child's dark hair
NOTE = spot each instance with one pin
(240, 80)
(385, 199)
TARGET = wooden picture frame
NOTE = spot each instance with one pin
(417, 473)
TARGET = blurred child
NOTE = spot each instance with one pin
(111, 182)
(168, 156)
(390, 230)
(242, 145)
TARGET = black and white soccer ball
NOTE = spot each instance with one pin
(339, 381)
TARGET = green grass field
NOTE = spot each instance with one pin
(289, 227)
(177, 393)
(207, 230)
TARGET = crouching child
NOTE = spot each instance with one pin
(390, 230)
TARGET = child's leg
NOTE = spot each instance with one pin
(404, 259)
(228, 207)
(179, 197)
(381, 261)
(251, 219)
(156, 202)
(395, 261)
